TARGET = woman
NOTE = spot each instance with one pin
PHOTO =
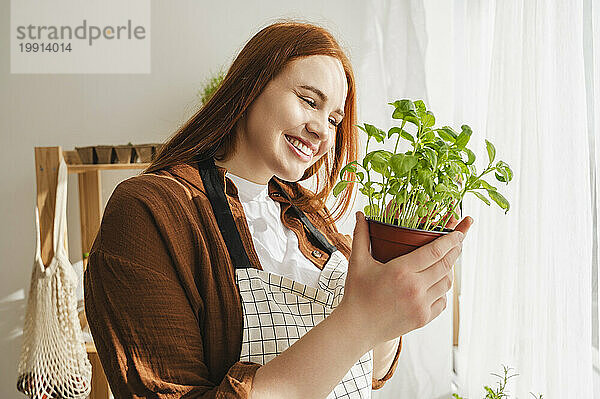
(215, 274)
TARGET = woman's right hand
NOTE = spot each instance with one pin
(387, 300)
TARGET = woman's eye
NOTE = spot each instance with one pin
(309, 102)
(314, 105)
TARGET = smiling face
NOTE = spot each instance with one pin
(292, 123)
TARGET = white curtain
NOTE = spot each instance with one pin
(592, 45)
(520, 81)
(526, 77)
(391, 67)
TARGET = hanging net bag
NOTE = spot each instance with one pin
(54, 362)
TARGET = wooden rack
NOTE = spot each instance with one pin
(47, 160)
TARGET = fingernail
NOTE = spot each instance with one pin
(461, 236)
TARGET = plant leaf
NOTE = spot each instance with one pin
(431, 156)
(402, 163)
(429, 135)
(422, 211)
(375, 132)
(491, 150)
(470, 156)
(486, 185)
(407, 136)
(446, 135)
(393, 130)
(406, 110)
(339, 188)
(465, 135)
(351, 167)
(412, 118)
(378, 159)
(481, 197)
(473, 169)
(420, 107)
(428, 119)
(441, 188)
(500, 200)
(404, 105)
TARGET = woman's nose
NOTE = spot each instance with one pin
(319, 126)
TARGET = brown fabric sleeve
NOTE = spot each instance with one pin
(145, 328)
(147, 337)
(378, 383)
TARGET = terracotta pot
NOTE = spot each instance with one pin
(104, 154)
(87, 154)
(123, 153)
(389, 241)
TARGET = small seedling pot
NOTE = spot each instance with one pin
(144, 152)
(389, 241)
(87, 154)
(123, 153)
(156, 147)
(104, 153)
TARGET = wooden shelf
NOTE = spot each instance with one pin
(74, 164)
(82, 168)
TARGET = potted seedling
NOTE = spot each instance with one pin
(412, 195)
(499, 393)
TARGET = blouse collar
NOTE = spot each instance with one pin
(249, 190)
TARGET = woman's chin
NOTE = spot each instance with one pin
(291, 176)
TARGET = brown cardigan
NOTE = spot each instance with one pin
(160, 291)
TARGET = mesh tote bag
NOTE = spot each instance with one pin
(54, 362)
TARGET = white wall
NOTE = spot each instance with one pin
(190, 40)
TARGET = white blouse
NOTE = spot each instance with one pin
(276, 245)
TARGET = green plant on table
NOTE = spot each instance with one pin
(425, 184)
(210, 86)
(499, 393)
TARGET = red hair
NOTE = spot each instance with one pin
(211, 131)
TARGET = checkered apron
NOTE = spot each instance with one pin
(277, 311)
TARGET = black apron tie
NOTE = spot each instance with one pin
(215, 191)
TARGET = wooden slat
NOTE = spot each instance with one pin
(90, 208)
(90, 347)
(100, 388)
(47, 160)
(90, 211)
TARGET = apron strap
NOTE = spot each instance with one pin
(327, 246)
(215, 191)
(218, 201)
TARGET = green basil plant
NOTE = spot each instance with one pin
(425, 184)
(499, 393)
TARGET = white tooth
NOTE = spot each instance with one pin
(301, 146)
